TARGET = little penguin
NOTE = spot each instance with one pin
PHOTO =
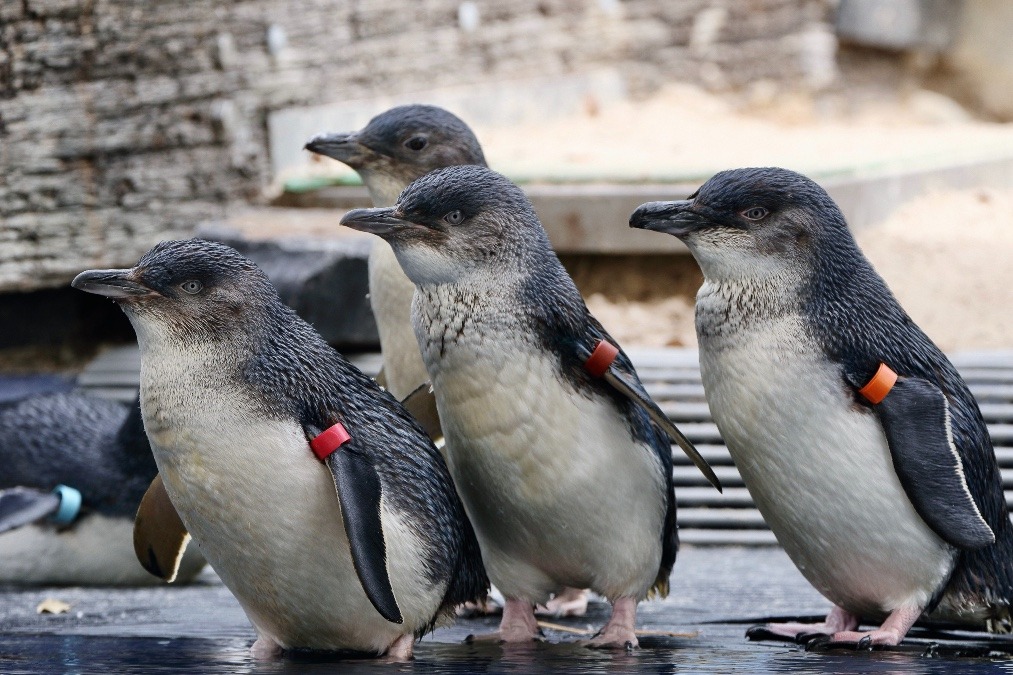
(565, 477)
(365, 548)
(857, 439)
(75, 469)
(395, 148)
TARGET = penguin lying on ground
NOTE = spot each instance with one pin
(566, 479)
(859, 442)
(75, 468)
(394, 149)
(238, 395)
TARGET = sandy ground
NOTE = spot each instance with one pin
(685, 133)
(949, 259)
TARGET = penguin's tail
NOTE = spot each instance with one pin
(1001, 620)
(661, 586)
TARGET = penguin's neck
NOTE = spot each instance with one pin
(466, 317)
(726, 305)
(383, 189)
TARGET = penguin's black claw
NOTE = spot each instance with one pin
(761, 633)
(824, 643)
(818, 643)
(805, 638)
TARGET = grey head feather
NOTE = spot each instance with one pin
(445, 139)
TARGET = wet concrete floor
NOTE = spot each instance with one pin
(716, 594)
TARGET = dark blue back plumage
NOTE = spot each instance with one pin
(92, 444)
(846, 291)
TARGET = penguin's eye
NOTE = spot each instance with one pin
(455, 217)
(755, 213)
(416, 143)
(193, 287)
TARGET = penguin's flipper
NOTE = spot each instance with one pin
(160, 537)
(620, 376)
(421, 403)
(21, 506)
(359, 492)
(626, 386)
(916, 419)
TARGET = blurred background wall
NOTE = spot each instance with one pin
(123, 122)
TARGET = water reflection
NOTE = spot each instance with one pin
(718, 651)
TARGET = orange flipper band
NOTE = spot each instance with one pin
(329, 440)
(880, 384)
(601, 358)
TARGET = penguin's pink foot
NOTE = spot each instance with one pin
(401, 649)
(837, 621)
(265, 648)
(889, 634)
(619, 632)
(568, 602)
(518, 624)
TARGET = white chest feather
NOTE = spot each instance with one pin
(817, 466)
(390, 295)
(558, 490)
(265, 513)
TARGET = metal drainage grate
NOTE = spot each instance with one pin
(672, 377)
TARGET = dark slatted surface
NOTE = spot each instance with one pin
(672, 376)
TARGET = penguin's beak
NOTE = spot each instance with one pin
(342, 147)
(116, 284)
(380, 221)
(675, 218)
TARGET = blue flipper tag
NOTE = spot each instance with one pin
(70, 505)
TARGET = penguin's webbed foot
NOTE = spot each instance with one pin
(401, 650)
(619, 632)
(568, 602)
(613, 639)
(265, 648)
(518, 624)
(889, 633)
(837, 620)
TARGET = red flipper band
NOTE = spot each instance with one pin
(329, 440)
(601, 358)
(880, 384)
